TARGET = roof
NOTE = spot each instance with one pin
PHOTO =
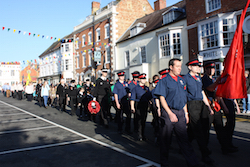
(153, 21)
(55, 46)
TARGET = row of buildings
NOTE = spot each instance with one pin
(130, 35)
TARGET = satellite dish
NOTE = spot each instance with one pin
(246, 25)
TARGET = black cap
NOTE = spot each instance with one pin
(194, 62)
(142, 76)
(135, 74)
(121, 73)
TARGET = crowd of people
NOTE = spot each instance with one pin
(186, 105)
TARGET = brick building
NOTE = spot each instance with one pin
(33, 70)
(211, 26)
(100, 31)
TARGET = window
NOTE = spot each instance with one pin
(108, 55)
(168, 18)
(12, 73)
(90, 58)
(83, 40)
(228, 31)
(66, 64)
(107, 31)
(62, 48)
(209, 35)
(176, 43)
(137, 29)
(90, 37)
(84, 59)
(0, 72)
(143, 54)
(62, 65)
(127, 63)
(77, 43)
(165, 45)
(77, 60)
(213, 5)
(66, 47)
(98, 35)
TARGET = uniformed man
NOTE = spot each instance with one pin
(174, 116)
(121, 92)
(38, 92)
(163, 73)
(101, 94)
(135, 80)
(61, 94)
(142, 96)
(209, 86)
(198, 109)
(72, 92)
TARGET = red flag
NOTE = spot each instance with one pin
(235, 85)
(3, 28)
(29, 33)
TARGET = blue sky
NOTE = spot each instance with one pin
(53, 18)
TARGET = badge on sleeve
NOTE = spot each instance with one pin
(101, 83)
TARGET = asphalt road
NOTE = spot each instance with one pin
(34, 136)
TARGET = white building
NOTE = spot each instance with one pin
(151, 41)
(9, 72)
(57, 61)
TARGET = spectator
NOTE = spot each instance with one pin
(246, 107)
(45, 93)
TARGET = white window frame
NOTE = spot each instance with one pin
(107, 34)
(231, 31)
(207, 33)
(98, 34)
(67, 64)
(127, 62)
(83, 40)
(62, 48)
(90, 57)
(12, 73)
(67, 49)
(89, 38)
(215, 3)
(77, 61)
(171, 43)
(77, 43)
(84, 59)
(168, 17)
(141, 54)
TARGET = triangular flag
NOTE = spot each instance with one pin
(47, 37)
(14, 30)
(34, 35)
(59, 39)
(51, 37)
(24, 32)
(42, 36)
(55, 39)
(19, 32)
(8, 29)
(38, 35)
(29, 33)
(3, 28)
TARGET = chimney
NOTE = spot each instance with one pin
(160, 4)
(95, 7)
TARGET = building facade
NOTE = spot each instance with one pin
(151, 41)
(211, 27)
(30, 72)
(99, 32)
(9, 72)
(57, 61)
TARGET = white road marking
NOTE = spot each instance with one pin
(145, 165)
(87, 137)
(236, 137)
(18, 120)
(2, 115)
(44, 146)
(30, 129)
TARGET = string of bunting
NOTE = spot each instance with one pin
(30, 34)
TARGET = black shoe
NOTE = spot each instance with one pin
(139, 139)
(128, 132)
(207, 160)
(144, 138)
(229, 150)
(106, 126)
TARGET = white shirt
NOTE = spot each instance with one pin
(29, 89)
(19, 87)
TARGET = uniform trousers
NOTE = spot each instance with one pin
(141, 113)
(62, 102)
(20, 95)
(198, 127)
(124, 109)
(29, 97)
(155, 121)
(167, 127)
(104, 103)
(230, 124)
(73, 105)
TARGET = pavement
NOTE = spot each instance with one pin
(34, 136)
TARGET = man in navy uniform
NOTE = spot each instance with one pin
(209, 86)
(174, 116)
(121, 92)
(198, 109)
(102, 94)
(141, 95)
(72, 92)
(135, 80)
